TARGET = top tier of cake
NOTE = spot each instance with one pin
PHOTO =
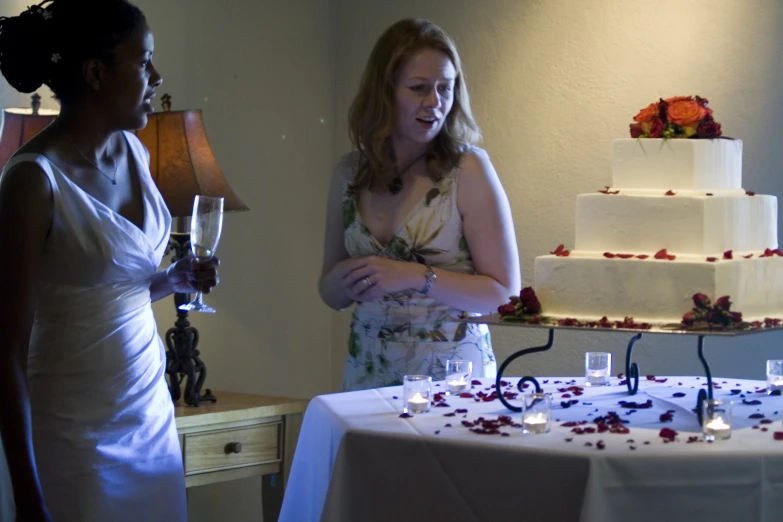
(677, 164)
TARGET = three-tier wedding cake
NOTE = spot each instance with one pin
(676, 222)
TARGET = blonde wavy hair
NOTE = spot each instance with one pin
(372, 118)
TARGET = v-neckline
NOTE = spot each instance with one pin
(142, 186)
(396, 230)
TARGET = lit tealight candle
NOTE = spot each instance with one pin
(457, 384)
(535, 423)
(717, 429)
(418, 404)
(597, 377)
(774, 383)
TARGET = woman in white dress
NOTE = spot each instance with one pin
(87, 421)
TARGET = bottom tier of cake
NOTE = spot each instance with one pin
(589, 287)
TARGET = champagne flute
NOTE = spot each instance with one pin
(206, 224)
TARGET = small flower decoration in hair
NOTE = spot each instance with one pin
(56, 57)
(47, 15)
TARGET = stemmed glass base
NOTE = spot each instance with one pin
(197, 305)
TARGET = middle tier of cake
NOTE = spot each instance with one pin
(684, 223)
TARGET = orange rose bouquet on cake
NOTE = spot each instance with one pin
(677, 117)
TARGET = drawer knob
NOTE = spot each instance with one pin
(233, 447)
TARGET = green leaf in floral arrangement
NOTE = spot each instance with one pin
(438, 336)
(423, 335)
(430, 251)
(461, 331)
(383, 361)
(349, 212)
(399, 248)
(432, 194)
(354, 345)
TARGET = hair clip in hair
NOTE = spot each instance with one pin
(56, 57)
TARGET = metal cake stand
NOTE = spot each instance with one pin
(631, 368)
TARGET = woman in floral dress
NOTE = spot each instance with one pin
(419, 231)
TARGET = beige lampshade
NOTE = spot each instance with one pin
(182, 163)
(19, 125)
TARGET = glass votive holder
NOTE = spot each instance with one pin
(716, 419)
(536, 413)
(416, 393)
(774, 377)
(458, 374)
(598, 368)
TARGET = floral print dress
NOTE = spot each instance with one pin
(407, 332)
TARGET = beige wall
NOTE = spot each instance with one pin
(552, 83)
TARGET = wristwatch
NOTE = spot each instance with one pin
(429, 277)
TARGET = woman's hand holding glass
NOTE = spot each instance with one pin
(206, 226)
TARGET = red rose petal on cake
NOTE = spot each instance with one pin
(667, 434)
(609, 255)
(642, 256)
(661, 254)
(750, 193)
(765, 421)
(748, 256)
(625, 256)
(708, 194)
(666, 417)
(728, 254)
(669, 193)
(475, 382)
(712, 259)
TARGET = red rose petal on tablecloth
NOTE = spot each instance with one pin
(766, 421)
(667, 434)
(405, 415)
(678, 394)
(778, 435)
(666, 417)
(756, 416)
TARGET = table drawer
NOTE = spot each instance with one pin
(232, 448)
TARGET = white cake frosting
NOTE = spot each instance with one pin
(676, 164)
(707, 222)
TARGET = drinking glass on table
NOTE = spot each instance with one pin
(206, 225)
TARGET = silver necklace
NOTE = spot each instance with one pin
(112, 178)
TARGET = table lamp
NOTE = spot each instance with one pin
(19, 125)
(183, 166)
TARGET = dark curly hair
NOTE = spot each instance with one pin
(49, 42)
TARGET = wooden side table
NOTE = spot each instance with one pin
(241, 436)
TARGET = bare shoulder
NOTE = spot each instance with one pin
(345, 170)
(476, 167)
(25, 186)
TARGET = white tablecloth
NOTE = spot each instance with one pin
(357, 460)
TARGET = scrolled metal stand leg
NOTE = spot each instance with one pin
(513, 357)
(703, 394)
(632, 369)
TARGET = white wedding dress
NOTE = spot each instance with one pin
(104, 436)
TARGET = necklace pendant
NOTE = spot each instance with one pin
(114, 182)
